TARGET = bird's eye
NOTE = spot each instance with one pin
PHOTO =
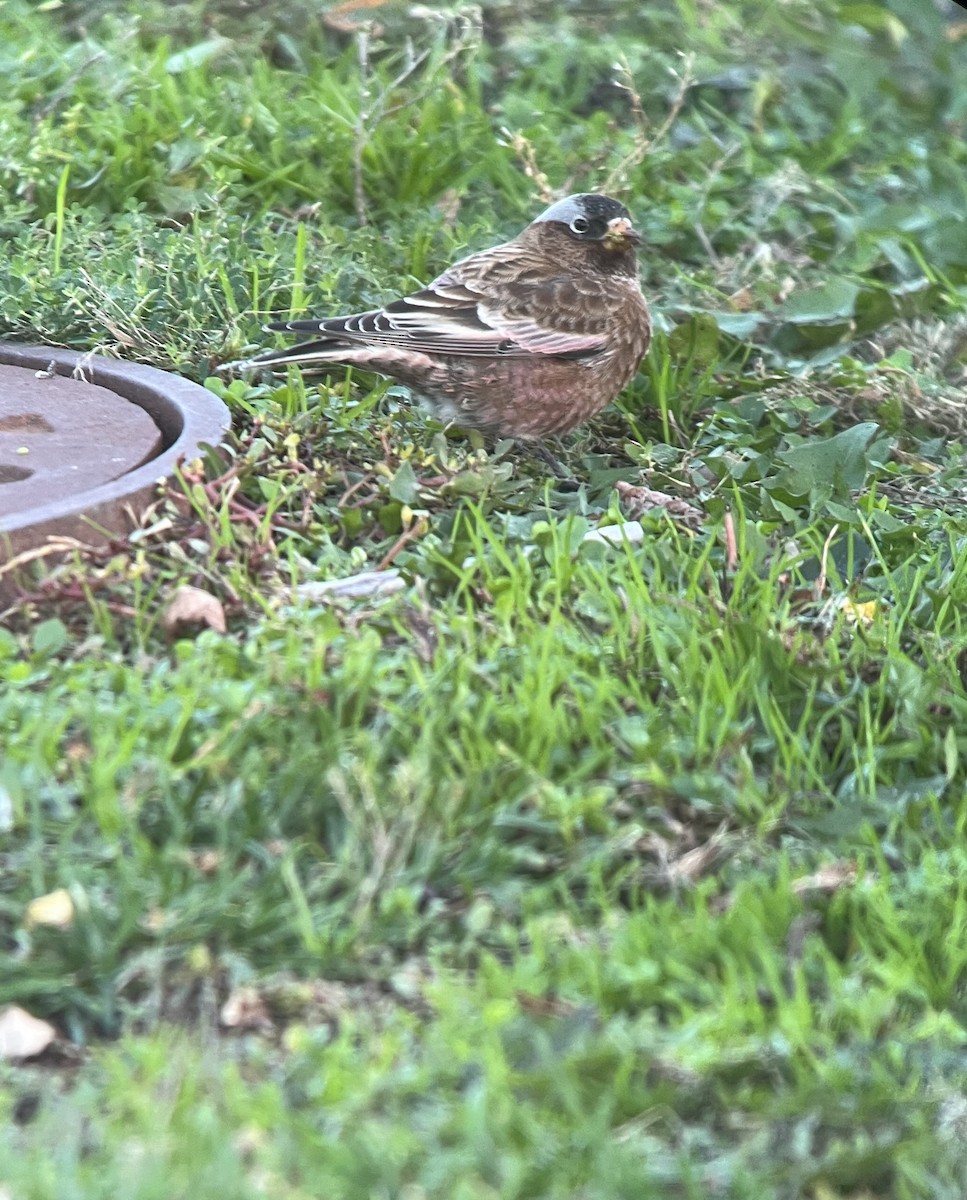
(579, 225)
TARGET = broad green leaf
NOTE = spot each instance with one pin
(391, 517)
(876, 19)
(834, 301)
(840, 462)
(49, 637)
(695, 341)
(403, 484)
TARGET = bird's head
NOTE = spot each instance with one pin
(602, 224)
(588, 217)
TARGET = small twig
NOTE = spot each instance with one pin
(417, 529)
(706, 244)
(67, 87)
(372, 110)
(643, 143)
(54, 591)
(352, 489)
(528, 160)
(731, 545)
(466, 41)
(54, 545)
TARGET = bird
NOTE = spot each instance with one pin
(526, 340)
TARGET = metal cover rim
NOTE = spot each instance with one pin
(188, 415)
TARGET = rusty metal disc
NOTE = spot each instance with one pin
(84, 442)
(61, 436)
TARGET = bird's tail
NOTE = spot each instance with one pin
(323, 351)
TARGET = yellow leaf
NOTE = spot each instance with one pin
(55, 909)
(859, 613)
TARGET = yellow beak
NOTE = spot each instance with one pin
(620, 234)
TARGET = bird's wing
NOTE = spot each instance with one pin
(461, 312)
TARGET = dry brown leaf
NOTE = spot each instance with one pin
(77, 751)
(545, 1006)
(21, 1035)
(192, 610)
(55, 909)
(206, 862)
(340, 20)
(245, 1009)
(826, 882)
(694, 864)
(828, 879)
(742, 300)
(636, 500)
(155, 919)
(675, 867)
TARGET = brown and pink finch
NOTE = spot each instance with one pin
(526, 340)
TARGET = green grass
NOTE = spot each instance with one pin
(567, 870)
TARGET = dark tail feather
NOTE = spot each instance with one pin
(326, 351)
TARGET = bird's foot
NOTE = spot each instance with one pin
(566, 480)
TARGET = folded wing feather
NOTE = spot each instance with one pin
(449, 317)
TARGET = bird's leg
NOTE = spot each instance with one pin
(553, 463)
